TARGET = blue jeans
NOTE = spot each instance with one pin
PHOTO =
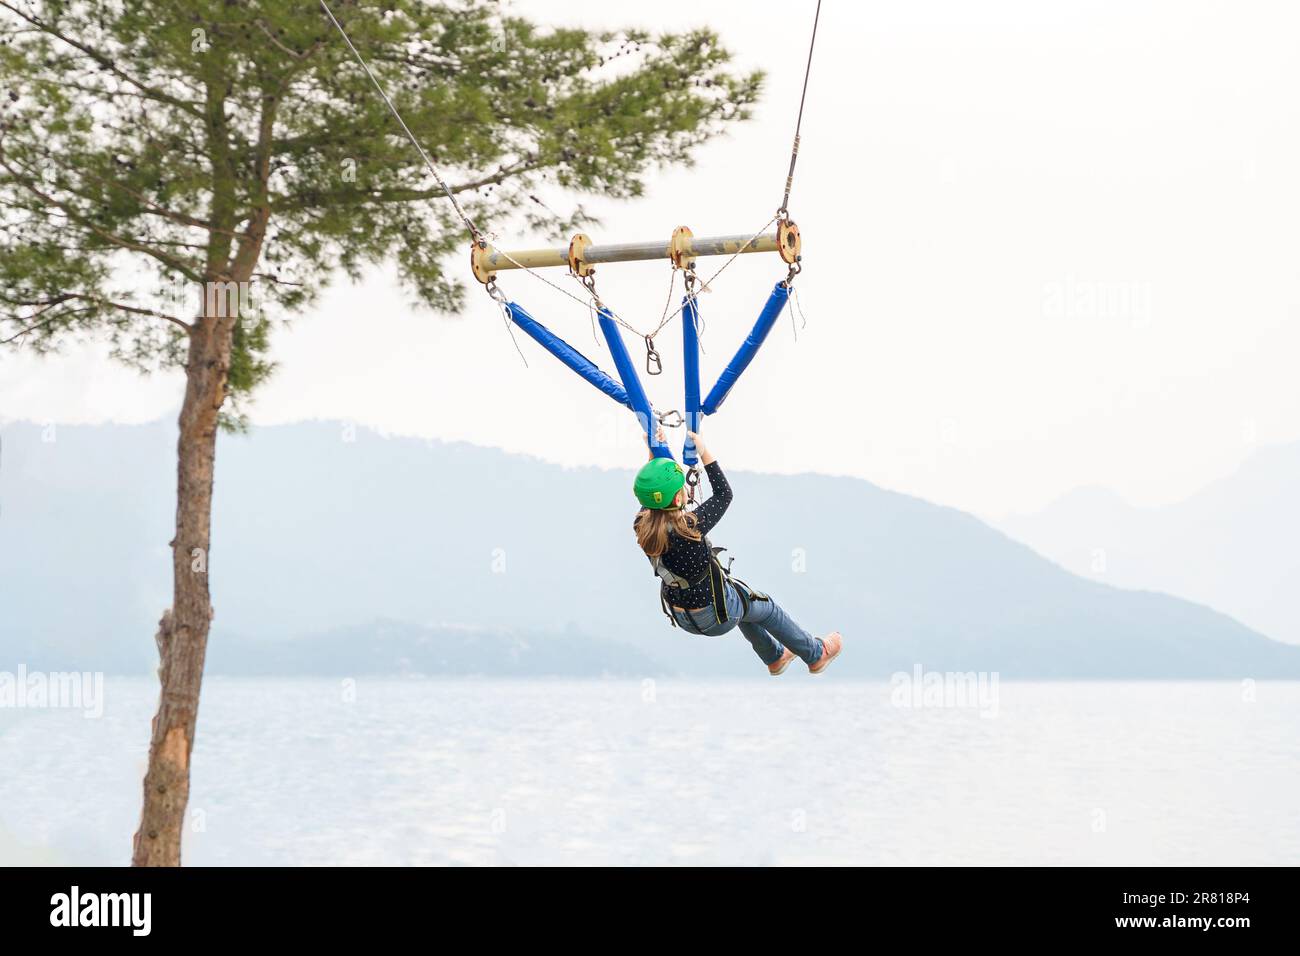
(764, 624)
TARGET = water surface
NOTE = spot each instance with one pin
(673, 772)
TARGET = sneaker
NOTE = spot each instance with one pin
(831, 645)
(777, 668)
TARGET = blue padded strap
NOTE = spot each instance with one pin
(748, 348)
(691, 363)
(638, 401)
(567, 354)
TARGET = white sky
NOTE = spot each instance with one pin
(974, 179)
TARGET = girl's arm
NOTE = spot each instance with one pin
(706, 456)
(710, 512)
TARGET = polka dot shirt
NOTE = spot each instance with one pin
(689, 558)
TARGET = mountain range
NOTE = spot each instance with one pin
(1232, 545)
(339, 550)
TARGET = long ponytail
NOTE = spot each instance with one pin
(652, 529)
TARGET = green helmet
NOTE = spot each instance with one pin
(658, 482)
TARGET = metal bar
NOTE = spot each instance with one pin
(567, 354)
(706, 246)
(748, 348)
(640, 403)
(494, 260)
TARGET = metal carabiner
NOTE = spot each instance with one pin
(672, 418)
(653, 364)
(692, 482)
(796, 267)
(589, 283)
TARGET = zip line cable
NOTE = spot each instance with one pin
(798, 125)
(469, 224)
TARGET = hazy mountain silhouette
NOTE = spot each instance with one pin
(1231, 546)
(345, 552)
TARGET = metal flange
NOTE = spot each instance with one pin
(478, 261)
(577, 249)
(788, 242)
(679, 248)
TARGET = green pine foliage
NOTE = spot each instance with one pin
(152, 147)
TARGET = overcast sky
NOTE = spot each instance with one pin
(1047, 245)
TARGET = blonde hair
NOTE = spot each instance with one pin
(652, 528)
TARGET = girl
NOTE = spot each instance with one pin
(699, 596)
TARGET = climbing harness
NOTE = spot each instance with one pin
(715, 574)
(718, 576)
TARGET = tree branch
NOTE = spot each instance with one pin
(162, 212)
(171, 262)
(104, 62)
(353, 197)
(48, 304)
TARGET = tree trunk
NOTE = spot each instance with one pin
(183, 631)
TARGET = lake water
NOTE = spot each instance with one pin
(674, 772)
